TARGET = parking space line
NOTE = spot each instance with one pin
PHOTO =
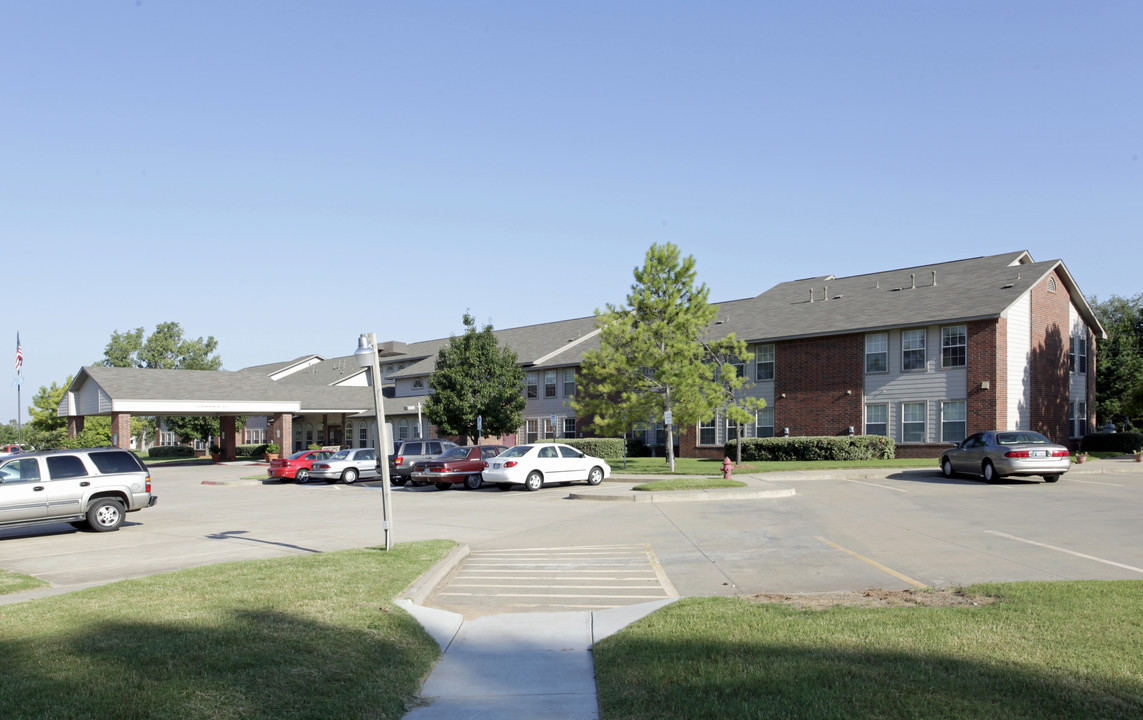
(1093, 482)
(1065, 550)
(883, 487)
(875, 564)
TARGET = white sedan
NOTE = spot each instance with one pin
(534, 465)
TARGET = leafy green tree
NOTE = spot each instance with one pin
(651, 361)
(45, 404)
(1119, 359)
(476, 377)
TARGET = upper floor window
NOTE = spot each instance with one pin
(954, 346)
(1077, 354)
(418, 384)
(569, 382)
(549, 383)
(913, 349)
(877, 353)
(532, 388)
(764, 362)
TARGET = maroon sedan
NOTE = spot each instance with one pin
(296, 466)
(456, 465)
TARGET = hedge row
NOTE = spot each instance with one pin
(845, 447)
(1124, 442)
(606, 448)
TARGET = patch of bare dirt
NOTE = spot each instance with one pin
(874, 598)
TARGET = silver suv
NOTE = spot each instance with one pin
(407, 453)
(90, 488)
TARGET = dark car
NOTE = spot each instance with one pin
(996, 454)
(456, 465)
(297, 466)
(407, 453)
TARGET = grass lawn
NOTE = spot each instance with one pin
(1040, 650)
(702, 466)
(313, 636)
(11, 582)
(688, 484)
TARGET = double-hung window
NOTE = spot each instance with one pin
(954, 421)
(532, 389)
(549, 383)
(569, 382)
(1077, 422)
(707, 432)
(954, 346)
(569, 427)
(1077, 354)
(913, 422)
(877, 353)
(913, 349)
(877, 419)
(764, 423)
(764, 362)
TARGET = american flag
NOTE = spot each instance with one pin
(19, 354)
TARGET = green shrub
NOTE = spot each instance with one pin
(257, 450)
(830, 447)
(171, 451)
(606, 448)
(1123, 442)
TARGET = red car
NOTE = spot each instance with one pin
(296, 466)
(456, 465)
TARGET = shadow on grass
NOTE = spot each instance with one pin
(255, 664)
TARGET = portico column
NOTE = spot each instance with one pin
(283, 432)
(74, 425)
(229, 445)
(121, 430)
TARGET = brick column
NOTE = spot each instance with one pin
(121, 430)
(281, 429)
(74, 425)
(229, 441)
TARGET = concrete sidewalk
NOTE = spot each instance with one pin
(518, 666)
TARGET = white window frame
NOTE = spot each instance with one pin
(569, 427)
(1077, 355)
(569, 382)
(946, 422)
(1077, 418)
(549, 384)
(763, 421)
(946, 347)
(532, 386)
(708, 432)
(870, 423)
(877, 345)
(910, 347)
(764, 362)
(905, 421)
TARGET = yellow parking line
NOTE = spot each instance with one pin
(874, 563)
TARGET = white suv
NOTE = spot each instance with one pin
(90, 488)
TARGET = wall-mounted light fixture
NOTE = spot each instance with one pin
(985, 385)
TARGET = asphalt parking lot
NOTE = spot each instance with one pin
(842, 531)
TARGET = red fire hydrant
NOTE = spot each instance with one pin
(727, 468)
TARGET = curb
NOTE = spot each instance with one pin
(669, 496)
(422, 587)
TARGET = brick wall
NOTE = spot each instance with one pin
(987, 363)
(1049, 365)
(818, 385)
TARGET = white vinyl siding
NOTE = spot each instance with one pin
(1019, 364)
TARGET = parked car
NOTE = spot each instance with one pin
(90, 488)
(6, 450)
(456, 465)
(407, 453)
(296, 466)
(996, 454)
(347, 466)
(533, 466)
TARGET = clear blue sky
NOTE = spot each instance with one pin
(286, 175)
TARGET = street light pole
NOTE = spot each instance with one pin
(366, 356)
(420, 427)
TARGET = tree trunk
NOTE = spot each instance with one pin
(670, 431)
(738, 446)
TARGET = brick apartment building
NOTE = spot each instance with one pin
(926, 355)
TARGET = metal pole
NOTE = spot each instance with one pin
(382, 455)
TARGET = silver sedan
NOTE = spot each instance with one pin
(997, 453)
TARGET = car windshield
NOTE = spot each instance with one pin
(1021, 438)
(454, 454)
(518, 451)
(340, 455)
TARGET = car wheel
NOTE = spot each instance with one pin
(443, 486)
(535, 481)
(947, 468)
(1051, 478)
(595, 477)
(473, 482)
(105, 515)
(349, 476)
(302, 476)
(989, 472)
